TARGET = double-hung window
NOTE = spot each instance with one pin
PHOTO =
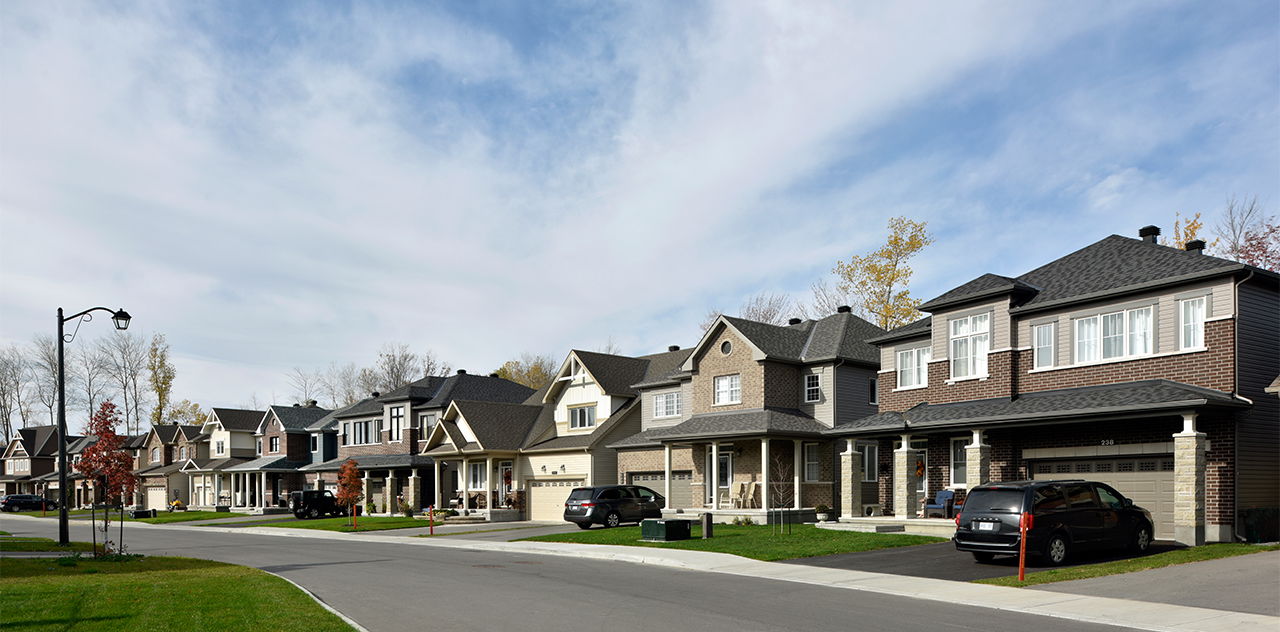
(346, 434)
(666, 405)
(220, 447)
(427, 421)
(1119, 334)
(959, 463)
(812, 461)
(1043, 339)
(728, 389)
(182, 452)
(362, 432)
(584, 417)
(913, 367)
(397, 422)
(1191, 314)
(970, 340)
(812, 388)
(873, 397)
(315, 443)
(275, 444)
(870, 461)
(475, 476)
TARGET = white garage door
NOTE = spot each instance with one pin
(681, 486)
(1147, 480)
(546, 499)
(155, 498)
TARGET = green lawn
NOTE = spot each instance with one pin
(153, 593)
(372, 523)
(52, 513)
(165, 517)
(40, 544)
(1159, 560)
(754, 541)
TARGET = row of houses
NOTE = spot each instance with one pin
(1151, 368)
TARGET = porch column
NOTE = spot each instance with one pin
(191, 486)
(850, 481)
(414, 495)
(389, 493)
(714, 483)
(489, 483)
(904, 480)
(977, 461)
(1189, 483)
(797, 464)
(666, 477)
(764, 476)
(319, 480)
(262, 478)
(437, 495)
(368, 489)
(465, 484)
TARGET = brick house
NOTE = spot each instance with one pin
(31, 455)
(737, 424)
(159, 466)
(1127, 362)
(228, 440)
(282, 444)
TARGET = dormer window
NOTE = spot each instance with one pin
(155, 455)
(666, 405)
(970, 341)
(582, 417)
(182, 452)
(220, 447)
(275, 444)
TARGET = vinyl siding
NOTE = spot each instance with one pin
(647, 420)
(999, 311)
(604, 466)
(853, 393)
(1258, 429)
(824, 409)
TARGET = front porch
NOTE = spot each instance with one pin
(491, 487)
(752, 474)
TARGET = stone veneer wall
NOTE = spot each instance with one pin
(711, 363)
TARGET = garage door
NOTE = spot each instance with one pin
(546, 499)
(1147, 480)
(155, 498)
(681, 486)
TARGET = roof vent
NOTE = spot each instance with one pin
(311, 403)
(374, 394)
(1196, 246)
(493, 375)
(843, 309)
(297, 405)
(1149, 233)
(673, 348)
(462, 371)
(794, 321)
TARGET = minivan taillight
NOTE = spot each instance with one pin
(588, 504)
(958, 519)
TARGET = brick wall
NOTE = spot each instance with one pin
(385, 446)
(650, 460)
(711, 363)
(1219, 479)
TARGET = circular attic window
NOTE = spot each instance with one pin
(726, 347)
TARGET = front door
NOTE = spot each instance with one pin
(505, 474)
(275, 490)
(725, 474)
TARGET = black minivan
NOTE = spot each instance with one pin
(1067, 516)
(612, 505)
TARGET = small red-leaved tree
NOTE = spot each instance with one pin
(350, 488)
(108, 465)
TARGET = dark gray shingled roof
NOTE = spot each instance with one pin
(370, 462)
(838, 336)
(647, 439)
(328, 422)
(135, 442)
(985, 286)
(664, 368)
(1144, 396)
(267, 464)
(418, 390)
(562, 443)
(499, 426)
(41, 440)
(215, 465)
(444, 390)
(922, 327)
(78, 445)
(298, 418)
(756, 421)
(239, 419)
(614, 373)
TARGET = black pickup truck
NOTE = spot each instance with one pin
(314, 503)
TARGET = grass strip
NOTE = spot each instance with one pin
(428, 535)
(24, 544)
(343, 525)
(752, 541)
(178, 516)
(1159, 560)
(153, 593)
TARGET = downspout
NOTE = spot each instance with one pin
(1235, 357)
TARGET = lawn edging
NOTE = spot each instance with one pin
(345, 619)
(1176, 557)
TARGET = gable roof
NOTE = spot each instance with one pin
(985, 286)
(750, 422)
(296, 418)
(499, 426)
(922, 327)
(437, 392)
(840, 336)
(39, 440)
(614, 373)
(664, 368)
(239, 419)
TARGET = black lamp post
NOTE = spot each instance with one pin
(121, 319)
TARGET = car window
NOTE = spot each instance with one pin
(1080, 495)
(993, 501)
(645, 494)
(1048, 498)
(1109, 497)
(611, 494)
(581, 493)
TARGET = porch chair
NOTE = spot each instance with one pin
(941, 502)
(749, 495)
(739, 495)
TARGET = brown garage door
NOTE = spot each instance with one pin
(1147, 480)
(681, 486)
(546, 499)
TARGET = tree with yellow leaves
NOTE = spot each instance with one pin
(1186, 229)
(878, 281)
(534, 371)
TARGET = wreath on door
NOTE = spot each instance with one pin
(506, 477)
(919, 468)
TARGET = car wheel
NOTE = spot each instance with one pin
(1055, 551)
(983, 558)
(612, 519)
(583, 525)
(315, 513)
(299, 515)
(1141, 539)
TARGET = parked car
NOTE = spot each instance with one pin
(314, 503)
(612, 505)
(26, 502)
(1067, 516)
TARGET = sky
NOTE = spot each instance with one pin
(291, 184)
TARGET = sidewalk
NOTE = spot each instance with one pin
(1093, 609)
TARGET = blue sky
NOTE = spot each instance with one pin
(293, 183)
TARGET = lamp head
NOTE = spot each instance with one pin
(121, 318)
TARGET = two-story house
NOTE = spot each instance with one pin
(738, 426)
(283, 446)
(229, 441)
(160, 462)
(30, 455)
(1126, 362)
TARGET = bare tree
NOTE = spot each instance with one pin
(433, 366)
(341, 384)
(827, 299)
(43, 371)
(534, 371)
(13, 381)
(368, 381)
(765, 307)
(610, 347)
(782, 491)
(1233, 226)
(92, 376)
(307, 385)
(396, 365)
(126, 356)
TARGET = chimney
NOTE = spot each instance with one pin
(843, 309)
(1149, 233)
(311, 403)
(673, 348)
(462, 371)
(297, 405)
(794, 321)
(493, 375)
(374, 394)
(1196, 246)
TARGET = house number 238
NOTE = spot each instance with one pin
(1108, 442)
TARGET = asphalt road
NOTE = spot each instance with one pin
(395, 587)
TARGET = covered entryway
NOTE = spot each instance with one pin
(546, 499)
(681, 486)
(155, 498)
(1147, 480)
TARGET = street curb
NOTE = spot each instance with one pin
(1142, 615)
(348, 620)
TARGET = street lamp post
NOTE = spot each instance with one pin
(121, 319)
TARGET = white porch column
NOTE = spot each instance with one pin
(489, 484)
(437, 495)
(904, 480)
(796, 467)
(368, 489)
(714, 483)
(262, 480)
(191, 487)
(389, 493)
(465, 484)
(850, 481)
(666, 478)
(764, 474)
(1189, 483)
(977, 461)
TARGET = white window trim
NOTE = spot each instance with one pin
(1065, 367)
(1127, 354)
(484, 478)
(1205, 317)
(663, 396)
(1053, 345)
(952, 463)
(973, 356)
(921, 356)
(817, 388)
(220, 447)
(583, 426)
(715, 390)
(373, 433)
(273, 444)
(875, 463)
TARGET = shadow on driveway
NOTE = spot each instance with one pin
(943, 561)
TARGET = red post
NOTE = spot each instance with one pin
(1024, 523)
(44, 506)
(431, 519)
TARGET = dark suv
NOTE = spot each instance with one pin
(26, 502)
(1067, 516)
(612, 505)
(314, 503)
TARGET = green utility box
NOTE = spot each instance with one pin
(664, 530)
